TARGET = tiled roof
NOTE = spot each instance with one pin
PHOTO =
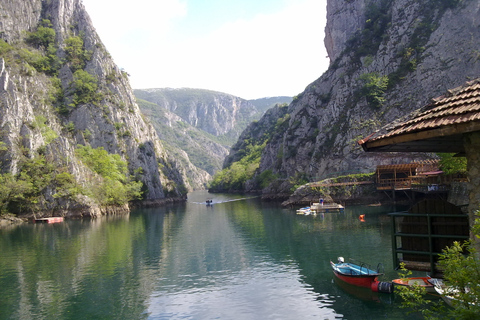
(458, 106)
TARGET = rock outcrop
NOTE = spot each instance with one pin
(388, 58)
(60, 88)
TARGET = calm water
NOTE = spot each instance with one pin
(239, 259)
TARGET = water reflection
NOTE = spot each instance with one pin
(240, 259)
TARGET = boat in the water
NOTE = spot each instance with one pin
(360, 274)
(49, 220)
(321, 208)
(448, 295)
(424, 282)
(451, 293)
(306, 211)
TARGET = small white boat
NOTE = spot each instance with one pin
(306, 211)
(449, 294)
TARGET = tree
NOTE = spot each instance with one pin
(85, 88)
(374, 87)
(44, 36)
(115, 187)
(76, 54)
(451, 164)
(12, 189)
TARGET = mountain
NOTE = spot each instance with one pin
(202, 123)
(194, 145)
(263, 104)
(388, 58)
(73, 139)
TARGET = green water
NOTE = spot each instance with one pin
(238, 259)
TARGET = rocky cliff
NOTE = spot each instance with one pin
(60, 88)
(203, 124)
(388, 58)
(219, 114)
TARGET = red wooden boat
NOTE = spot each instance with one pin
(49, 220)
(424, 282)
(360, 274)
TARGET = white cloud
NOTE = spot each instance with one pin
(272, 54)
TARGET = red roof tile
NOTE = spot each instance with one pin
(459, 105)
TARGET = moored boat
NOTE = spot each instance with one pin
(424, 282)
(446, 295)
(450, 294)
(305, 211)
(360, 274)
(49, 220)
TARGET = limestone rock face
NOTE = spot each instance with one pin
(219, 114)
(388, 58)
(112, 121)
(344, 19)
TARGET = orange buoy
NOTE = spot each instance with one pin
(362, 217)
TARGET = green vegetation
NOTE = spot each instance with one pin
(44, 36)
(48, 134)
(461, 267)
(235, 176)
(298, 180)
(412, 54)
(354, 177)
(76, 54)
(374, 87)
(265, 178)
(46, 60)
(367, 41)
(85, 88)
(451, 164)
(25, 192)
(116, 188)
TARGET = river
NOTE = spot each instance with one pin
(237, 259)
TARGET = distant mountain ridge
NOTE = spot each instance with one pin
(201, 123)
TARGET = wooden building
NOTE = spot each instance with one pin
(402, 176)
(450, 124)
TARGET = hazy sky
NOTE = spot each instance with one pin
(248, 48)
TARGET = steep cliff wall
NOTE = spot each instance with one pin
(61, 88)
(216, 113)
(388, 57)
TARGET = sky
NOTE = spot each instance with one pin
(248, 48)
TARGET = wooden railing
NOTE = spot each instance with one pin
(394, 184)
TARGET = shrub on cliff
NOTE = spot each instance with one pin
(116, 187)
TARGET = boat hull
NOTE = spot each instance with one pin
(354, 274)
(361, 281)
(419, 281)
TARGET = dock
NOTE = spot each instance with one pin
(321, 208)
(326, 207)
(49, 220)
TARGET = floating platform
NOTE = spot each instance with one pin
(321, 208)
(326, 207)
(49, 220)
